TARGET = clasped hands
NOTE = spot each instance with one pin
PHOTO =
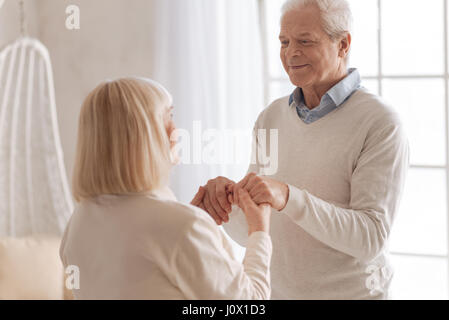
(254, 194)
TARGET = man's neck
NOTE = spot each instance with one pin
(314, 94)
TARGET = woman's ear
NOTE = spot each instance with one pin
(345, 45)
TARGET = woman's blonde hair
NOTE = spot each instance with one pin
(122, 146)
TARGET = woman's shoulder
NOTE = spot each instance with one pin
(150, 216)
(181, 208)
(166, 224)
(173, 212)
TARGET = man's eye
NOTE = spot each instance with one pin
(284, 43)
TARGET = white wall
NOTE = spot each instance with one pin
(9, 20)
(114, 40)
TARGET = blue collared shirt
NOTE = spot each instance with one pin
(334, 98)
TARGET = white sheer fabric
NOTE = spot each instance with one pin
(34, 194)
(209, 56)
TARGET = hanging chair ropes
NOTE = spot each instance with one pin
(34, 193)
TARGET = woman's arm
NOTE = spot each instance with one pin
(203, 268)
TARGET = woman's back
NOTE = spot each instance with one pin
(152, 247)
(149, 246)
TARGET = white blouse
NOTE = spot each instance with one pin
(153, 247)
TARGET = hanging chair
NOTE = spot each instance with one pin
(34, 193)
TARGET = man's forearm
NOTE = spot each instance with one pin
(358, 233)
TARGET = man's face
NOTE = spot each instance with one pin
(309, 56)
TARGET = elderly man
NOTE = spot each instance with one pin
(343, 160)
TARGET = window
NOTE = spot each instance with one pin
(401, 50)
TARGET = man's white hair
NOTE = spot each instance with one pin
(336, 15)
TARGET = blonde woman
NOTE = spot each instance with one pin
(129, 236)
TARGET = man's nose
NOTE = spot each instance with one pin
(293, 51)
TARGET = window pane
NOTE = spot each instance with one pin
(273, 10)
(412, 37)
(418, 278)
(421, 225)
(364, 52)
(423, 116)
(371, 85)
(279, 89)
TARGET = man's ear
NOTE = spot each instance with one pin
(345, 45)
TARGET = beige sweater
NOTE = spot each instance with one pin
(346, 174)
(153, 247)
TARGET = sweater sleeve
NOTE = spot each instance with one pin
(204, 270)
(376, 189)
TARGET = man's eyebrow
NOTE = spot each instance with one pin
(304, 34)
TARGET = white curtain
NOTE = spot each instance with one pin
(208, 54)
(34, 192)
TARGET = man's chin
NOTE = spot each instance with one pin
(300, 82)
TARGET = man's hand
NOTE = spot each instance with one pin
(215, 199)
(262, 190)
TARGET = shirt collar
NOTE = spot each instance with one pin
(338, 93)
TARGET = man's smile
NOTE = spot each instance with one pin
(298, 67)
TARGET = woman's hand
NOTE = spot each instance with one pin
(214, 199)
(198, 199)
(257, 216)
